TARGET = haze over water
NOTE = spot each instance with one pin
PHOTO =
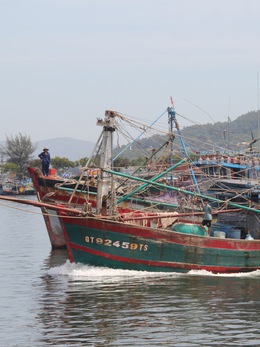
(46, 301)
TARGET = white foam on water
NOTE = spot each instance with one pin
(239, 274)
(93, 273)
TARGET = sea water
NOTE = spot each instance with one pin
(47, 301)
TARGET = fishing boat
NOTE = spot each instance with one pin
(136, 240)
(17, 189)
(7, 190)
(118, 236)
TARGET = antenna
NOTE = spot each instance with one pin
(229, 101)
(258, 120)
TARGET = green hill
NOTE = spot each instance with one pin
(233, 136)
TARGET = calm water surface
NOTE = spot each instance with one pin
(46, 301)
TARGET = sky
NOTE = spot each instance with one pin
(64, 62)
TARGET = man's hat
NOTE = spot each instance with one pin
(45, 149)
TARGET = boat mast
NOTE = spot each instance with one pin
(105, 180)
(172, 120)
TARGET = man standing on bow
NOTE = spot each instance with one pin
(46, 160)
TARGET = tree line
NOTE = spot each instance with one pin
(17, 154)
